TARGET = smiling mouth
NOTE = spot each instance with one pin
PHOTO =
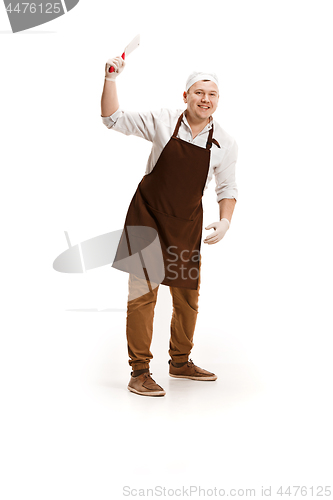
(203, 107)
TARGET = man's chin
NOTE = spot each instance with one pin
(204, 116)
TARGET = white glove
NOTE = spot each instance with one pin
(221, 227)
(118, 63)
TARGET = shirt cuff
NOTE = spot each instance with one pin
(227, 194)
(109, 121)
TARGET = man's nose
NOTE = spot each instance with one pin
(205, 97)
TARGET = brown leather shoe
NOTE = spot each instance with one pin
(190, 370)
(145, 386)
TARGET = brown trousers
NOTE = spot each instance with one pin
(140, 316)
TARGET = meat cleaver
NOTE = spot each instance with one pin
(130, 47)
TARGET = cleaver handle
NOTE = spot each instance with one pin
(111, 69)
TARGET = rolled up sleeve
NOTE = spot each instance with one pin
(225, 175)
(109, 121)
(140, 124)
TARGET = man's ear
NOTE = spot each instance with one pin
(185, 97)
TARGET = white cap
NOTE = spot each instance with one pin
(197, 76)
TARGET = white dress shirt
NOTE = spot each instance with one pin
(158, 126)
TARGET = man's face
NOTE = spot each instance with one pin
(202, 99)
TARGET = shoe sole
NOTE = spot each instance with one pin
(152, 393)
(207, 379)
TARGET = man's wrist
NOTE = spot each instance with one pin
(227, 221)
(110, 78)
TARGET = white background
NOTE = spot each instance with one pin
(70, 427)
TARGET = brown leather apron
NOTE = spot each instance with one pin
(169, 200)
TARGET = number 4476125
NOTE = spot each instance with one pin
(32, 8)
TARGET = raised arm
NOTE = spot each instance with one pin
(141, 124)
(109, 101)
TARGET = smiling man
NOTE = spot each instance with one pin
(188, 148)
(202, 99)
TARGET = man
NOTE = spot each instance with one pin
(187, 149)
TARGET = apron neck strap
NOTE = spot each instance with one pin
(175, 133)
(210, 135)
(210, 138)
